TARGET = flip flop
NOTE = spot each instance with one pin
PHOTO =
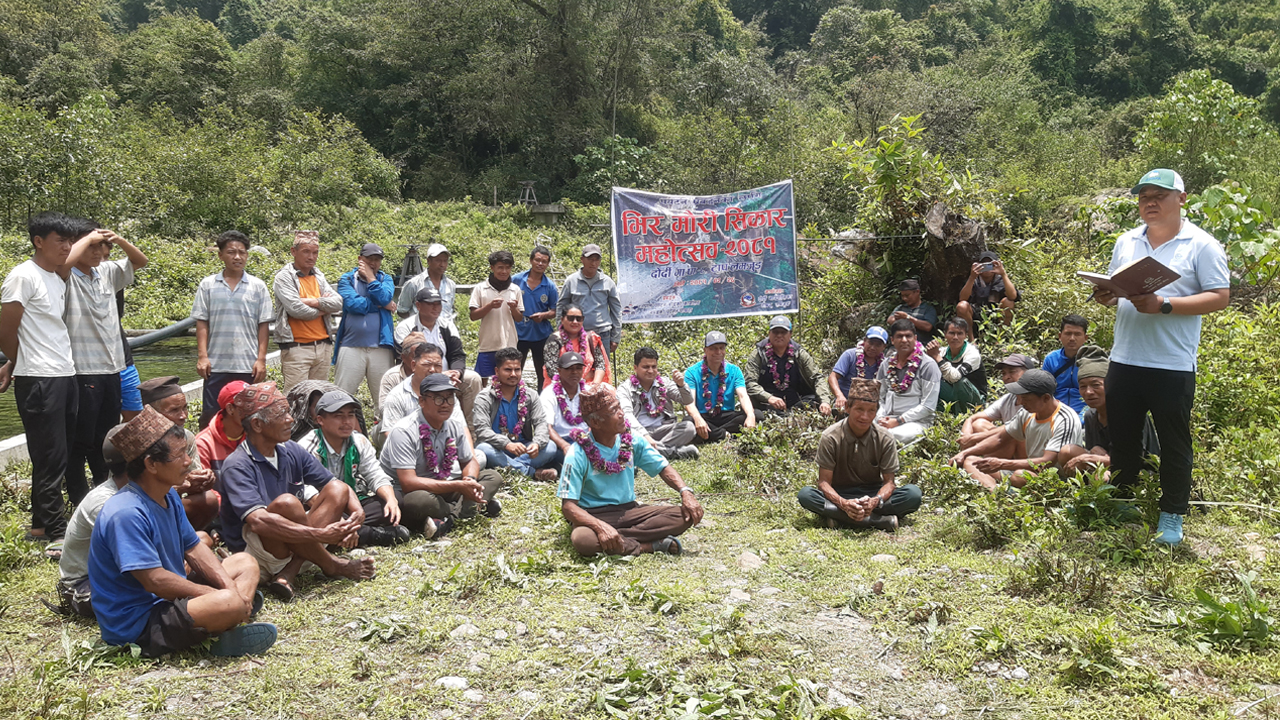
(279, 589)
(53, 551)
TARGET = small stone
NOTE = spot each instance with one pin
(940, 710)
(884, 558)
(464, 630)
(500, 634)
(404, 568)
(473, 696)
(749, 561)
(357, 553)
(478, 659)
(836, 699)
(525, 530)
(767, 591)
(416, 573)
(896, 674)
(820, 557)
(420, 549)
(906, 571)
(1257, 553)
(452, 682)
(1019, 674)
(1253, 536)
(737, 595)
(528, 696)
(522, 629)
(555, 634)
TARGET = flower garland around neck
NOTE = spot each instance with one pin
(580, 346)
(563, 401)
(522, 408)
(653, 409)
(781, 377)
(441, 468)
(588, 445)
(713, 408)
(909, 373)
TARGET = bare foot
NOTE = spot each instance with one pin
(546, 475)
(357, 569)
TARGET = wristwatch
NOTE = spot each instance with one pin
(1166, 307)
(687, 489)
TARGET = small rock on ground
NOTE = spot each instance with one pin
(884, 558)
(749, 561)
(452, 682)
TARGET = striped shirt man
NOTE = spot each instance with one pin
(233, 316)
(90, 315)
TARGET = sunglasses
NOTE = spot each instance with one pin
(573, 318)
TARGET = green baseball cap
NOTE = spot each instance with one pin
(1162, 178)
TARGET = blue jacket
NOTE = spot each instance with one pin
(1068, 375)
(381, 292)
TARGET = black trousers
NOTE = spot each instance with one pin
(537, 347)
(212, 387)
(1168, 395)
(99, 412)
(48, 409)
(728, 422)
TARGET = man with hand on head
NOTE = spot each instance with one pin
(857, 462)
(719, 388)
(597, 295)
(649, 402)
(305, 306)
(560, 402)
(280, 504)
(141, 544)
(433, 465)
(781, 375)
(198, 498)
(1157, 337)
(233, 315)
(598, 490)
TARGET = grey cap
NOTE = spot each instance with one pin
(909, 285)
(1034, 382)
(570, 359)
(437, 249)
(371, 249)
(780, 321)
(436, 382)
(334, 400)
(1018, 360)
(987, 256)
(428, 293)
(592, 249)
(715, 337)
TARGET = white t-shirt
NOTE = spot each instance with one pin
(1063, 428)
(411, 325)
(555, 418)
(44, 346)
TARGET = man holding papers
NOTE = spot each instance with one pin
(1157, 336)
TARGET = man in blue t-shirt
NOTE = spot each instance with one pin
(1061, 363)
(859, 362)
(139, 549)
(540, 298)
(598, 488)
(718, 389)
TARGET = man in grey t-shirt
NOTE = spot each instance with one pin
(73, 567)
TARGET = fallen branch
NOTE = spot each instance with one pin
(1255, 703)
(887, 648)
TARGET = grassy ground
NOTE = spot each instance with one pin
(930, 622)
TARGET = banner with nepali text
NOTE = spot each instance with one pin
(686, 257)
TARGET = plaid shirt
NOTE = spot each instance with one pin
(233, 317)
(91, 318)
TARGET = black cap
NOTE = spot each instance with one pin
(987, 256)
(1034, 382)
(371, 249)
(570, 359)
(428, 293)
(1018, 360)
(436, 382)
(909, 285)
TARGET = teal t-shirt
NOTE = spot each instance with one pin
(733, 379)
(592, 488)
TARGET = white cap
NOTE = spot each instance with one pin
(436, 249)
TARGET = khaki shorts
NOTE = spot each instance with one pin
(268, 565)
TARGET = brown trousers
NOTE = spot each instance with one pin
(637, 524)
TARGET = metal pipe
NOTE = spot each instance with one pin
(152, 337)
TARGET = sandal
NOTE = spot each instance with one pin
(53, 551)
(669, 545)
(280, 589)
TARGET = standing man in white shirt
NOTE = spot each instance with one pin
(434, 275)
(1157, 338)
(305, 305)
(34, 336)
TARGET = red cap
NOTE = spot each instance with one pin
(229, 392)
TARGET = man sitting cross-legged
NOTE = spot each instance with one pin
(340, 446)
(909, 384)
(1044, 423)
(982, 424)
(402, 399)
(598, 489)
(649, 401)
(781, 375)
(280, 503)
(224, 433)
(429, 455)
(165, 394)
(138, 554)
(720, 388)
(510, 424)
(857, 461)
(560, 401)
(74, 591)
(1093, 365)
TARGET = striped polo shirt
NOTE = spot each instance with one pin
(233, 317)
(91, 317)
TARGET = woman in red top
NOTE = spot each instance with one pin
(571, 337)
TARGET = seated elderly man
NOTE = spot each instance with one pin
(1044, 423)
(510, 424)
(401, 401)
(857, 462)
(280, 504)
(1092, 366)
(224, 432)
(560, 401)
(398, 373)
(441, 333)
(430, 458)
(781, 375)
(198, 499)
(598, 489)
(983, 424)
(649, 401)
(909, 384)
(140, 549)
(340, 446)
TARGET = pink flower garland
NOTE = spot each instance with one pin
(588, 445)
(780, 382)
(713, 409)
(909, 373)
(443, 468)
(653, 410)
(558, 389)
(522, 408)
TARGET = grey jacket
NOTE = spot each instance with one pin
(486, 409)
(289, 302)
(598, 298)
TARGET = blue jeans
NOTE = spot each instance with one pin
(496, 458)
